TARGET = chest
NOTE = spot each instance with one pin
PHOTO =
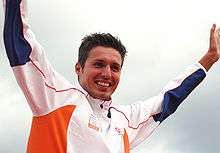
(94, 132)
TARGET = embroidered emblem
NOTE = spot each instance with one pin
(118, 130)
(93, 123)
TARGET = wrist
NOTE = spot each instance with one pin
(208, 60)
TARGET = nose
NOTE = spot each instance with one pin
(106, 73)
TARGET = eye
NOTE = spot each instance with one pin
(116, 68)
(99, 64)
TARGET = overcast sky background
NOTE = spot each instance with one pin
(162, 39)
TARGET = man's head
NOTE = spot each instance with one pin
(100, 60)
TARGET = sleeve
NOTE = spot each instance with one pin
(44, 89)
(144, 117)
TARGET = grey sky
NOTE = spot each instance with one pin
(162, 38)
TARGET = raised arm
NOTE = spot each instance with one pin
(44, 88)
(144, 117)
(178, 89)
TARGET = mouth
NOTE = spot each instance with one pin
(103, 84)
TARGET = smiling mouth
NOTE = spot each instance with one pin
(103, 84)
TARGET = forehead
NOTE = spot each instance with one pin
(105, 54)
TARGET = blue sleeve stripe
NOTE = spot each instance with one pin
(17, 48)
(174, 97)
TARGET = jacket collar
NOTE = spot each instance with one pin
(95, 103)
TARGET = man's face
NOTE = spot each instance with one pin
(101, 73)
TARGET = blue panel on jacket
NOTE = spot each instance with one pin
(17, 48)
(174, 97)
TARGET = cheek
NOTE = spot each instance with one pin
(85, 79)
(117, 78)
(91, 75)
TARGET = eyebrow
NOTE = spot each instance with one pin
(114, 63)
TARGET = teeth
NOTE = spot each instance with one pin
(103, 84)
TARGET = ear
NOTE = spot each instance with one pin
(78, 68)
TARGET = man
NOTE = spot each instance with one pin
(83, 119)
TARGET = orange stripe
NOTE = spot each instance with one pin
(49, 132)
(126, 142)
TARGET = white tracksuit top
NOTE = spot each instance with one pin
(66, 119)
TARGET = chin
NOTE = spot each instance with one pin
(103, 97)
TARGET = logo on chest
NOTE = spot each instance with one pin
(119, 131)
(93, 123)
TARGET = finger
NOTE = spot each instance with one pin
(212, 37)
(217, 33)
(217, 38)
